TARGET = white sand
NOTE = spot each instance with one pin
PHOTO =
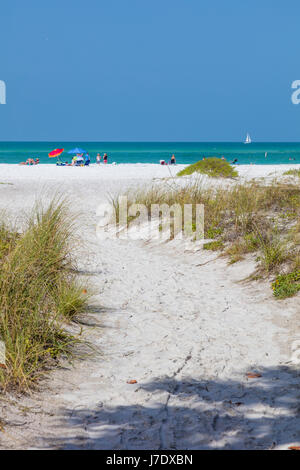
(120, 172)
(187, 332)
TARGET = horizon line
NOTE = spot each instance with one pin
(156, 141)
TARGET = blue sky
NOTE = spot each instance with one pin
(149, 70)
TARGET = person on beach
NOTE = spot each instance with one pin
(173, 160)
(105, 158)
(98, 159)
(80, 160)
(30, 161)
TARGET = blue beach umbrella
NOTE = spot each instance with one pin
(77, 150)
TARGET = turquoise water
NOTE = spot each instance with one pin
(143, 152)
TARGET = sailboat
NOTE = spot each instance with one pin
(248, 139)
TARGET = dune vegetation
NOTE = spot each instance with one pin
(213, 167)
(243, 219)
(293, 172)
(39, 294)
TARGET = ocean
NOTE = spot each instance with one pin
(152, 152)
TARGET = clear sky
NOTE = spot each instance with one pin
(149, 70)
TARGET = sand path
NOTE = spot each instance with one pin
(188, 334)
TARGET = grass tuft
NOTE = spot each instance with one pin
(214, 167)
(213, 246)
(286, 285)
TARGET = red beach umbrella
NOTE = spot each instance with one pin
(55, 153)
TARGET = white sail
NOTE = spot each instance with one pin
(248, 139)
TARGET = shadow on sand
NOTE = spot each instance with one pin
(260, 413)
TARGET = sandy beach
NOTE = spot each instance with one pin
(179, 323)
(11, 173)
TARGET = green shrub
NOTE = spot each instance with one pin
(286, 285)
(214, 246)
(214, 167)
(213, 232)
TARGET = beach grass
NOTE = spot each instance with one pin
(240, 219)
(39, 293)
(292, 172)
(286, 285)
(213, 167)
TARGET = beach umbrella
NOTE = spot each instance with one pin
(55, 153)
(77, 150)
